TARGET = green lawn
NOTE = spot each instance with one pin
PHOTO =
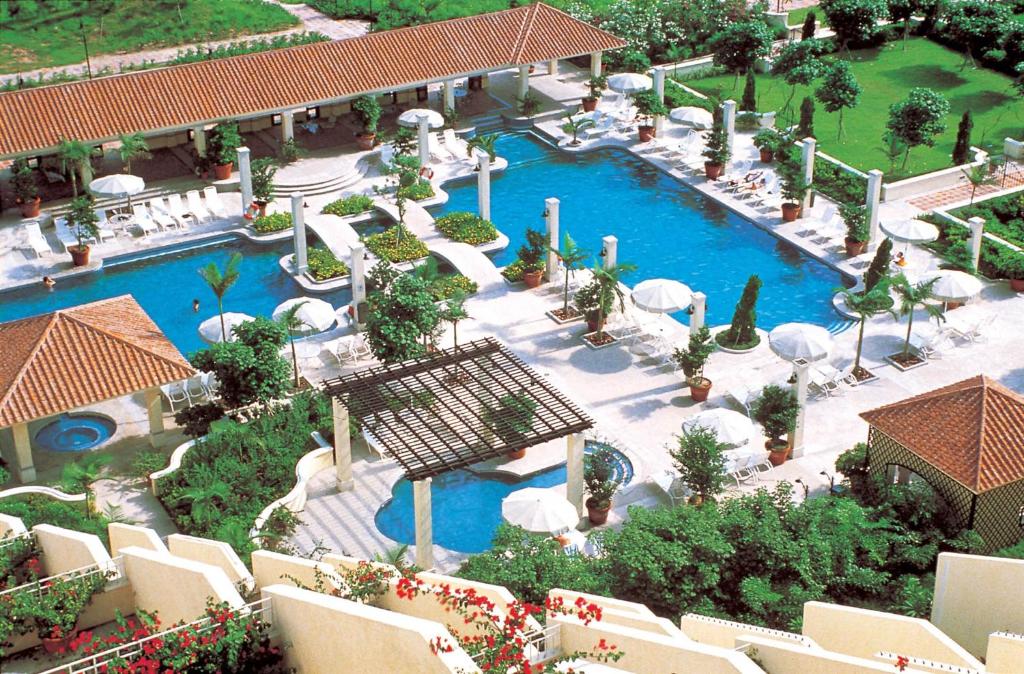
(796, 17)
(886, 75)
(50, 35)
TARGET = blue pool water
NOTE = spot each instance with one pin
(75, 433)
(665, 228)
(466, 507)
(166, 285)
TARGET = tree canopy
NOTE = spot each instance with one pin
(737, 46)
(854, 20)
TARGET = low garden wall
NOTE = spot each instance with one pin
(931, 182)
(175, 463)
(309, 465)
(42, 491)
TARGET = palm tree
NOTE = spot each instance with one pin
(977, 177)
(609, 280)
(79, 476)
(572, 257)
(396, 557)
(574, 126)
(865, 305)
(73, 156)
(454, 310)
(913, 295)
(292, 323)
(133, 146)
(220, 282)
(203, 500)
(485, 142)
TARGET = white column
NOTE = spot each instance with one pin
(977, 236)
(574, 445)
(874, 198)
(155, 413)
(357, 266)
(553, 67)
(342, 447)
(449, 94)
(610, 246)
(423, 128)
(802, 372)
(483, 185)
(659, 83)
(299, 232)
(199, 140)
(595, 64)
(245, 177)
(729, 121)
(424, 524)
(24, 468)
(551, 208)
(698, 303)
(808, 147)
(287, 126)
(523, 82)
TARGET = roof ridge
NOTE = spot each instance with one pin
(43, 337)
(524, 32)
(126, 342)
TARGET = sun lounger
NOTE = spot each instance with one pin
(213, 202)
(52, 177)
(67, 236)
(602, 127)
(823, 228)
(196, 208)
(438, 152)
(745, 390)
(668, 482)
(163, 215)
(973, 331)
(143, 220)
(103, 227)
(178, 211)
(36, 240)
(931, 344)
(455, 145)
(176, 394)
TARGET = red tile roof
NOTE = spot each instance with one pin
(86, 354)
(181, 96)
(973, 431)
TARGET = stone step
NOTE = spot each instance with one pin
(322, 186)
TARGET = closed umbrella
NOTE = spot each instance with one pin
(730, 427)
(539, 510)
(698, 118)
(117, 185)
(661, 295)
(955, 286)
(315, 315)
(800, 340)
(412, 118)
(629, 83)
(210, 330)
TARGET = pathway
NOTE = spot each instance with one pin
(336, 29)
(1012, 177)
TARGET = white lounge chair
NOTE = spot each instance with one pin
(195, 206)
(66, 236)
(758, 195)
(162, 214)
(195, 390)
(143, 220)
(210, 383)
(438, 152)
(971, 330)
(341, 350)
(602, 127)
(178, 210)
(213, 202)
(825, 228)
(35, 239)
(360, 348)
(103, 227)
(455, 145)
(931, 344)
(668, 482)
(175, 393)
(740, 469)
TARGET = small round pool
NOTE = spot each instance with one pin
(75, 433)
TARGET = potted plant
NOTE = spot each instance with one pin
(769, 142)
(511, 420)
(55, 610)
(794, 189)
(716, 149)
(700, 460)
(368, 112)
(596, 86)
(692, 360)
(263, 172)
(648, 106)
(26, 192)
(574, 126)
(83, 223)
(855, 216)
(532, 256)
(1011, 264)
(609, 285)
(776, 411)
(599, 476)
(222, 149)
(587, 300)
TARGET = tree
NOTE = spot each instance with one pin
(742, 332)
(74, 156)
(249, 369)
(776, 410)
(853, 20)
(918, 119)
(903, 11)
(962, 148)
(700, 460)
(810, 25)
(263, 171)
(400, 314)
(805, 129)
(976, 25)
(574, 126)
(454, 311)
(912, 296)
(292, 323)
(864, 305)
(572, 257)
(739, 45)
(879, 267)
(749, 100)
(839, 91)
(220, 282)
(82, 219)
(205, 501)
(78, 476)
(133, 146)
(609, 289)
(978, 176)
(799, 63)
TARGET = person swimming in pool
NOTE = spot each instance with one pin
(195, 306)
(49, 282)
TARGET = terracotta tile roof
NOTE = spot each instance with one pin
(86, 354)
(973, 431)
(181, 96)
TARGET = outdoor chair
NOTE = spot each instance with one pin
(175, 393)
(341, 350)
(746, 390)
(759, 463)
(360, 348)
(740, 469)
(825, 386)
(758, 194)
(143, 220)
(972, 331)
(736, 173)
(932, 344)
(455, 145)
(103, 228)
(36, 240)
(825, 227)
(178, 210)
(213, 202)
(162, 214)
(195, 206)
(438, 152)
(602, 127)
(668, 482)
(210, 383)
(66, 236)
(195, 390)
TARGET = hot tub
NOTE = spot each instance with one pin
(75, 432)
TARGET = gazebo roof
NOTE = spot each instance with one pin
(440, 412)
(73, 357)
(972, 431)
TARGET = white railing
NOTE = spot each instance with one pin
(541, 645)
(112, 570)
(98, 663)
(17, 538)
(925, 663)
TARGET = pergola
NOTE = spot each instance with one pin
(451, 409)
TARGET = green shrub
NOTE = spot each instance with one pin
(677, 97)
(418, 191)
(742, 332)
(145, 463)
(388, 245)
(33, 510)
(514, 271)
(445, 287)
(275, 222)
(466, 227)
(195, 420)
(350, 205)
(323, 265)
(838, 184)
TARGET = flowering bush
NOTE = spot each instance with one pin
(351, 205)
(275, 222)
(514, 271)
(323, 265)
(19, 562)
(417, 191)
(396, 244)
(446, 287)
(53, 606)
(466, 227)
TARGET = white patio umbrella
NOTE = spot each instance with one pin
(210, 331)
(412, 118)
(698, 118)
(629, 83)
(316, 315)
(730, 427)
(661, 295)
(911, 231)
(539, 510)
(800, 340)
(955, 286)
(117, 185)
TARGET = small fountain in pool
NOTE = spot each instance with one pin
(75, 433)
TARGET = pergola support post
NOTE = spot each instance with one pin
(553, 67)
(483, 185)
(245, 177)
(595, 64)
(801, 369)
(424, 523)
(808, 148)
(24, 467)
(357, 265)
(977, 236)
(155, 413)
(199, 140)
(449, 94)
(574, 450)
(551, 209)
(342, 447)
(698, 304)
(299, 233)
(423, 135)
(729, 122)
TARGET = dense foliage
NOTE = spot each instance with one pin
(839, 184)
(249, 369)
(918, 119)
(466, 227)
(418, 191)
(274, 222)
(742, 333)
(34, 509)
(401, 314)
(1004, 216)
(448, 286)
(323, 265)
(351, 205)
(396, 244)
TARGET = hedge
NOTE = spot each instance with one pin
(838, 184)
(418, 192)
(466, 227)
(386, 245)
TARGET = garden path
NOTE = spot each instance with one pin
(1011, 178)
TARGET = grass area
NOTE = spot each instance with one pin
(887, 74)
(46, 33)
(796, 16)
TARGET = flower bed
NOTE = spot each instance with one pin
(447, 286)
(418, 191)
(514, 271)
(387, 245)
(351, 205)
(275, 222)
(465, 227)
(323, 265)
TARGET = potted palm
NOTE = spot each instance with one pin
(574, 126)
(794, 189)
(599, 476)
(776, 411)
(531, 254)
(911, 296)
(648, 106)
(222, 149)
(855, 217)
(572, 257)
(83, 223)
(769, 142)
(716, 149)
(368, 112)
(609, 286)
(596, 85)
(26, 192)
(263, 172)
(692, 360)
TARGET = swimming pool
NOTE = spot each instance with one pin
(165, 286)
(665, 228)
(466, 506)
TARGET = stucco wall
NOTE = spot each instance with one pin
(270, 568)
(1005, 653)
(214, 553)
(11, 524)
(619, 612)
(131, 535)
(782, 658)
(724, 633)
(65, 550)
